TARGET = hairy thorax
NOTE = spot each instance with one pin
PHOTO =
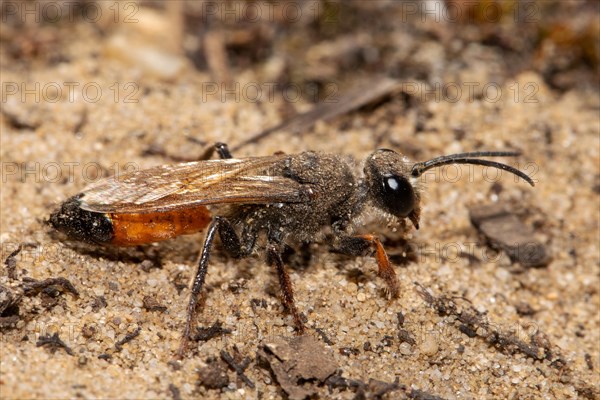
(330, 189)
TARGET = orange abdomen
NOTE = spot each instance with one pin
(135, 229)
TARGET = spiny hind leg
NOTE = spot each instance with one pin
(233, 246)
(287, 292)
(359, 246)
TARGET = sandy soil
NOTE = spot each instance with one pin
(145, 114)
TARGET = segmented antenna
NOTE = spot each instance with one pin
(471, 158)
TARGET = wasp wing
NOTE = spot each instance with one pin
(249, 180)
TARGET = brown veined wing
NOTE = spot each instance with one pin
(169, 187)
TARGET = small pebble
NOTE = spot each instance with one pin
(429, 347)
(405, 349)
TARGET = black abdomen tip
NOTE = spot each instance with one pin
(80, 224)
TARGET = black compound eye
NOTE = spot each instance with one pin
(398, 195)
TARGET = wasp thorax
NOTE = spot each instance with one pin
(387, 176)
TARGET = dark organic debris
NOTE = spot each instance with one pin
(237, 286)
(422, 395)
(175, 365)
(205, 334)
(375, 388)
(524, 309)
(9, 309)
(32, 286)
(151, 304)
(298, 364)
(11, 262)
(8, 299)
(474, 324)
(504, 231)
(53, 342)
(214, 375)
(128, 338)
(88, 331)
(338, 382)
(471, 258)
(238, 368)
(587, 392)
(21, 120)
(467, 330)
(49, 289)
(324, 336)
(175, 392)
(401, 319)
(589, 362)
(406, 337)
(386, 341)
(147, 265)
(98, 303)
(83, 120)
(9, 321)
(349, 351)
(380, 388)
(255, 303)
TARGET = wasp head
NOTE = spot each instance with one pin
(391, 186)
(392, 181)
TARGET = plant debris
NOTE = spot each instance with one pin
(205, 334)
(474, 324)
(151, 304)
(128, 338)
(53, 342)
(98, 303)
(32, 286)
(588, 361)
(504, 231)
(11, 263)
(213, 375)
(9, 310)
(298, 364)
(238, 368)
(375, 89)
(404, 335)
(21, 119)
(375, 388)
(174, 391)
(324, 336)
(349, 351)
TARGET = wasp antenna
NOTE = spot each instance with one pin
(477, 154)
(468, 158)
(474, 154)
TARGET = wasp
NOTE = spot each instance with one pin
(265, 202)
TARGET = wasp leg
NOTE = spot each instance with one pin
(287, 291)
(223, 150)
(232, 245)
(359, 245)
